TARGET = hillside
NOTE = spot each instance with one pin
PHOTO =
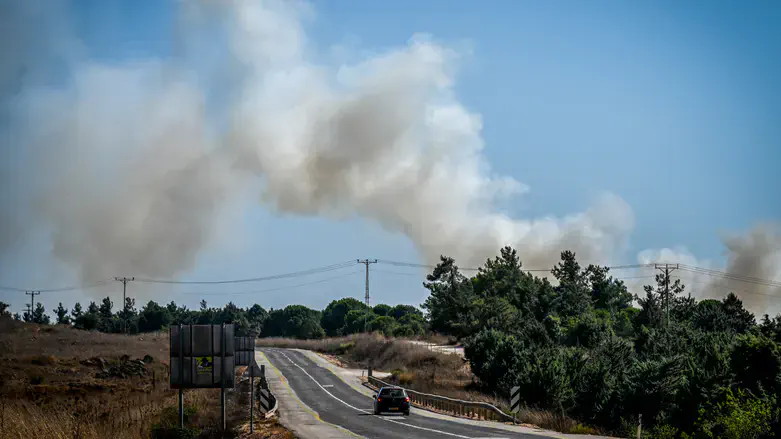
(57, 381)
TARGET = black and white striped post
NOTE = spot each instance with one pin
(515, 401)
(266, 401)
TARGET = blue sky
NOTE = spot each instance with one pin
(671, 105)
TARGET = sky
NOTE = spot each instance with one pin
(646, 130)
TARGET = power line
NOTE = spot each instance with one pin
(342, 265)
(328, 279)
(324, 269)
(731, 276)
(57, 290)
(531, 270)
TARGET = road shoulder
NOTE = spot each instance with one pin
(294, 415)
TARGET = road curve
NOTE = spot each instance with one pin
(337, 403)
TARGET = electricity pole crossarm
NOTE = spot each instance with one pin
(124, 281)
(666, 269)
(366, 262)
(32, 295)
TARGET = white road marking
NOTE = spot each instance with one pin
(328, 385)
(369, 411)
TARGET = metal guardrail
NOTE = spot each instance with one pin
(469, 409)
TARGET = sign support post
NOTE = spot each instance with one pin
(252, 399)
(222, 376)
(181, 377)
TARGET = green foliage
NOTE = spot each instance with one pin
(334, 320)
(153, 317)
(39, 315)
(4, 310)
(739, 415)
(581, 349)
(62, 315)
(382, 309)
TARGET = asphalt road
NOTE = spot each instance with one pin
(339, 404)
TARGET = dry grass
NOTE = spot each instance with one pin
(46, 390)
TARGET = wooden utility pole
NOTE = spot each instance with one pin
(666, 269)
(124, 281)
(366, 262)
(32, 295)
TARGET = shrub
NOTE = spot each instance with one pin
(739, 415)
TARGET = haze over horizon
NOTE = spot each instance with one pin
(197, 142)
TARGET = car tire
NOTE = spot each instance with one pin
(376, 412)
(406, 413)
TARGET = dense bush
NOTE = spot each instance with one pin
(695, 370)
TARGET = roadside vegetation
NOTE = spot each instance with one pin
(60, 382)
(580, 349)
(587, 354)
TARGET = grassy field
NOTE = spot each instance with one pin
(59, 382)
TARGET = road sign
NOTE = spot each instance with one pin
(245, 351)
(515, 399)
(202, 356)
(255, 370)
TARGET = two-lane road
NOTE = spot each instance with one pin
(339, 404)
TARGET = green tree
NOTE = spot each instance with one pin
(105, 309)
(739, 319)
(76, 312)
(382, 309)
(334, 320)
(410, 325)
(295, 321)
(4, 310)
(356, 320)
(739, 415)
(62, 315)
(39, 315)
(256, 316)
(384, 324)
(399, 311)
(93, 308)
(449, 304)
(756, 364)
(153, 317)
(606, 292)
(573, 292)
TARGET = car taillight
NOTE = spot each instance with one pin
(379, 399)
(406, 399)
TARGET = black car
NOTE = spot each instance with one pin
(391, 399)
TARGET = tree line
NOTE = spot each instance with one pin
(691, 369)
(340, 317)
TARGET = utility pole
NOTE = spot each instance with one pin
(32, 295)
(124, 281)
(666, 269)
(366, 262)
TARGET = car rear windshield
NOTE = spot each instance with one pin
(393, 393)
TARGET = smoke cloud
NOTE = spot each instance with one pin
(755, 255)
(139, 159)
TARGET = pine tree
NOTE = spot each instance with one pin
(39, 315)
(77, 311)
(62, 315)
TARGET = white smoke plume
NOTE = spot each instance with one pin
(137, 160)
(136, 170)
(751, 260)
